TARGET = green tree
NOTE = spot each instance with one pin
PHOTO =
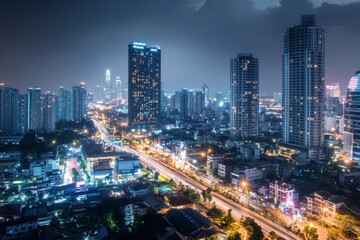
(228, 223)
(347, 225)
(253, 230)
(215, 214)
(332, 234)
(310, 233)
(206, 194)
(156, 176)
(235, 236)
(273, 235)
(172, 184)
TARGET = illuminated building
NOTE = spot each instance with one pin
(352, 119)
(9, 110)
(333, 100)
(303, 84)
(79, 102)
(244, 97)
(206, 95)
(64, 104)
(282, 193)
(118, 90)
(34, 109)
(49, 113)
(107, 86)
(144, 84)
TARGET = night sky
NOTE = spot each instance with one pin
(51, 43)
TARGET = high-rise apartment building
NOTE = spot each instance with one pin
(34, 109)
(49, 112)
(9, 110)
(206, 95)
(244, 97)
(107, 86)
(65, 105)
(23, 113)
(144, 85)
(352, 119)
(304, 84)
(333, 103)
(118, 90)
(79, 102)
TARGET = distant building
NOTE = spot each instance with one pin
(352, 119)
(65, 104)
(333, 103)
(225, 168)
(9, 111)
(127, 164)
(250, 151)
(206, 95)
(303, 84)
(278, 97)
(9, 161)
(49, 112)
(34, 109)
(244, 97)
(79, 102)
(144, 86)
(118, 90)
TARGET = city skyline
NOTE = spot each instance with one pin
(102, 46)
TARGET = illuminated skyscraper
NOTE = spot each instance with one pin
(79, 102)
(352, 119)
(333, 104)
(23, 113)
(144, 85)
(107, 86)
(304, 84)
(244, 97)
(64, 104)
(34, 109)
(49, 113)
(206, 95)
(9, 110)
(118, 90)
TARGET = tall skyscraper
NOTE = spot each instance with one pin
(34, 109)
(64, 104)
(206, 95)
(199, 102)
(352, 119)
(49, 113)
(303, 84)
(9, 110)
(107, 85)
(144, 85)
(244, 96)
(79, 102)
(118, 90)
(23, 113)
(184, 104)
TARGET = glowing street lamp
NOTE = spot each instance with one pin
(325, 209)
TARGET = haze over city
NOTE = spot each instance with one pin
(53, 43)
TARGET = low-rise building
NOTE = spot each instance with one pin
(140, 190)
(225, 168)
(250, 151)
(323, 205)
(282, 193)
(9, 161)
(351, 179)
(127, 164)
(212, 162)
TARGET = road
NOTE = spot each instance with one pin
(237, 210)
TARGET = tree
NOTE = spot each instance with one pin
(228, 223)
(156, 176)
(206, 194)
(235, 236)
(252, 229)
(273, 235)
(347, 224)
(172, 184)
(310, 233)
(215, 214)
(332, 234)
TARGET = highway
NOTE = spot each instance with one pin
(223, 203)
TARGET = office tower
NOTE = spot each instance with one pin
(99, 93)
(352, 119)
(49, 112)
(206, 95)
(118, 90)
(65, 105)
(244, 97)
(144, 85)
(23, 113)
(333, 103)
(79, 103)
(278, 98)
(184, 104)
(9, 110)
(107, 86)
(199, 102)
(90, 100)
(303, 84)
(34, 109)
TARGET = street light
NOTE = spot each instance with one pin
(325, 209)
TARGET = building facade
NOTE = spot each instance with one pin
(352, 119)
(34, 109)
(244, 97)
(144, 97)
(79, 102)
(303, 74)
(64, 104)
(9, 111)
